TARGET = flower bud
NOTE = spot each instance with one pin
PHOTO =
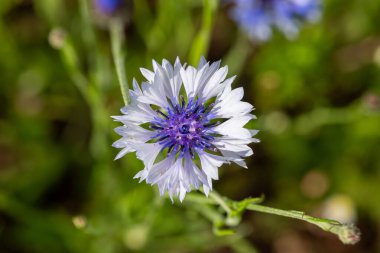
(349, 234)
(106, 10)
(57, 38)
(108, 7)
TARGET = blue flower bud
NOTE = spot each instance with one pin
(108, 7)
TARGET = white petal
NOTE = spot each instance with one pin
(149, 75)
(121, 143)
(214, 84)
(159, 169)
(176, 81)
(231, 156)
(234, 141)
(234, 127)
(253, 133)
(153, 96)
(170, 180)
(229, 105)
(163, 77)
(210, 164)
(147, 152)
(160, 87)
(192, 175)
(142, 174)
(188, 76)
(134, 132)
(136, 87)
(206, 190)
(123, 152)
(227, 90)
(155, 64)
(171, 78)
(204, 74)
(233, 145)
(233, 149)
(182, 193)
(211, 69)
(194, 80)
(136, 113)
(234, 109)
(202, 62)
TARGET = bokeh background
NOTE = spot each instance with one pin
(316, 98)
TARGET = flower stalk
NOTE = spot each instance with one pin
(201, 41)
(347, 233)
(117, 39)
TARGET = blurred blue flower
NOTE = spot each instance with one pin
(108, 7)
(183, 123)
(258, 17)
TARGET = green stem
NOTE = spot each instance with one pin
(275, 211)
(71, 62)
(200, 199)
(348, 234)
(116, 28)
(219, 199)
(201, 41)
(88, 33)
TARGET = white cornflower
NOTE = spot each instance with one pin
(184, 123)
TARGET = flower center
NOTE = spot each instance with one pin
(186, 128)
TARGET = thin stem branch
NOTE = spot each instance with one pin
(270, 210)
(71, 62)
(348, 234)
(117, 38)
(219, 199)
(200, 199)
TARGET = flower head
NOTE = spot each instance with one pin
(108, 7)
(184, 123)
(257, 17)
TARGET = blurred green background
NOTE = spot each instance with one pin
(316, 98)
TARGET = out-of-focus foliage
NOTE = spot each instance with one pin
(317, 98)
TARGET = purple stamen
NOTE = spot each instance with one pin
(163, 114)
(185, 128)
